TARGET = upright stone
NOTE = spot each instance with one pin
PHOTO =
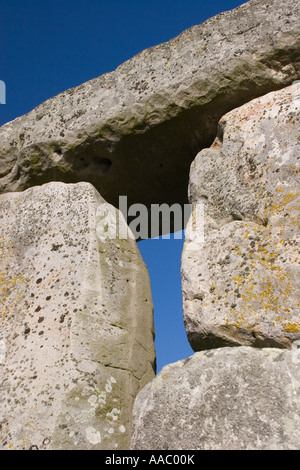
(76, 337)
(226, 399)
(241, 281)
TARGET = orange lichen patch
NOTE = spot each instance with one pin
(165, 376)
(291, 327)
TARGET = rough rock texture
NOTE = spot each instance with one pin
(136, 130)
(241, 284)
(228, 398)
(76, 335)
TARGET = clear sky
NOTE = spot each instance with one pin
(48, 46)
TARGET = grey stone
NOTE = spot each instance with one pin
(241, 280)
(136, 130)
(76, 336)
(224, 399)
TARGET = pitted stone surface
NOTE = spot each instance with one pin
(76, 335)
(241, 283)
(136, 130)
(225, 399)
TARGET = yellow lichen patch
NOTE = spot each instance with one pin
(165, 376)
(291, 327)
(261, 288)
(273, 285)
(12, 292)
(13, 284)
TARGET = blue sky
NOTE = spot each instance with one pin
(48, 46)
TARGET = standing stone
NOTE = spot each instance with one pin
(76, 337)
(136, 130)
(241, 282)
(224, 399)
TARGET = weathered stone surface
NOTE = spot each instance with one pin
(241, 284)
(136, 130)
(76, 336)
(225, 399)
